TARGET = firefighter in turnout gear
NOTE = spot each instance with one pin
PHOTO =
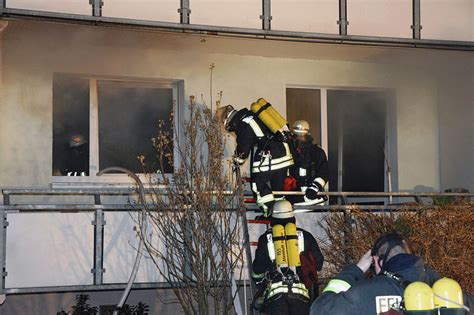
(264, 143)
(395, 268)
(310, 172)
(286, 263)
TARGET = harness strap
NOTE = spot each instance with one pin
(262, 109)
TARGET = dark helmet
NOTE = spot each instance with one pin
(389, 241)
(225, 114)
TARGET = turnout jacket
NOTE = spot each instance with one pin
(350, 293)
(270, 153)
(311, 164)
(263, 266)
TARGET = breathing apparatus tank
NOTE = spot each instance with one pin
(292, 246)
(269, 116)
(448, 297)
(419, 299)
(279, 242)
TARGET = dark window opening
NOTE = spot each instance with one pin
(356, 136)
(70, 126)
(129, 116)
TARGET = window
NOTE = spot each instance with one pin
(356, 137)
(104, 122)
(351, 126)
(305, 104)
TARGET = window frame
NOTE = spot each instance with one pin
(178, 99)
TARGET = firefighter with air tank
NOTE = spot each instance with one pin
(286, 265)
(263, 135)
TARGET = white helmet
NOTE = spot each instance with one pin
(301, 128)
(283, 210)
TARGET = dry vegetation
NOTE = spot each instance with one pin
(443, 236)
(192, 235)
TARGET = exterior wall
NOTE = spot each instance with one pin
(456, 134)
(32, 52)
(245, 70)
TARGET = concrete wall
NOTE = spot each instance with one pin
(456, 133)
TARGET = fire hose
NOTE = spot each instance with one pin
(141, 220)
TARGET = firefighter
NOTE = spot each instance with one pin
(286, 264)
(310, 171)
(77, 157)
(271, 156)
(395, 267)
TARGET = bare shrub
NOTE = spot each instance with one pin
(193, 228)
(443, 236)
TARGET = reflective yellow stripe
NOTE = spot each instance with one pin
(279, 287)
(258, 275)
(265, 199)
(320, 181)
(255, 127)
(275, 164)
(336, 286)
(257, 169)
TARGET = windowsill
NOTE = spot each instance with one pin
(105, 181)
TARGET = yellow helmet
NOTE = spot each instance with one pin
(447, 294)
(418, 296)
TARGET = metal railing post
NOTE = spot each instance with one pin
(266, 16)
(184, 12)
(416, 26)
(99, 222)
(343, 22)
(3, 248)
(96, 7)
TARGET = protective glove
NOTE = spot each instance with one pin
(237, 160)
(365, 262)
(312, 191)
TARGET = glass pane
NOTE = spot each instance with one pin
(447, 19)
(70, 125)
(318, 16)
(153, 10)
(389, 18)
(237, 13)
(356, 134)
(63, 6)
(305, 104)
(129, 114)
(49, 249)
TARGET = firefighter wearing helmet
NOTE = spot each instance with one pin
(310, 172)
(399, 275)
(262, 138)
(286, 264)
